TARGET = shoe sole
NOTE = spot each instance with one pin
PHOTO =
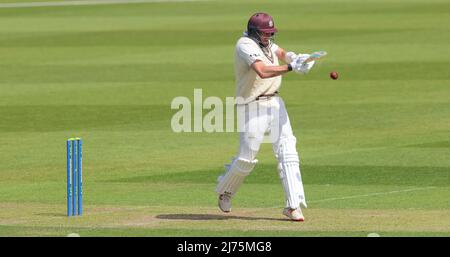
(299, 220)
(226, 211)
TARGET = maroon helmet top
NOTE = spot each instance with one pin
(261, 22)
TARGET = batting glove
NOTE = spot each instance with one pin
(300, 66)
(290, 57)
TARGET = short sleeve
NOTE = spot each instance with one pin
(249, 53)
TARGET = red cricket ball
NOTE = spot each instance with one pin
(334, 75)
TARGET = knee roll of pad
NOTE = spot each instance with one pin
(243, 166)
(287, 151)
(233, 178)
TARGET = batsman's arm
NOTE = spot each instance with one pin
(265, 71)
(287, 57)
(281, 54)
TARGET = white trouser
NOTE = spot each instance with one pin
(265, 120)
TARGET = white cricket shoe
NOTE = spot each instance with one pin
(294, 214)
(225, 202)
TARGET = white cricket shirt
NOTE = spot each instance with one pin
(248, 84)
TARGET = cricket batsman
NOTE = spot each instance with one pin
(258, 80)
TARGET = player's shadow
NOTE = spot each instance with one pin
(194, 216)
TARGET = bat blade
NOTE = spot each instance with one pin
(316, 56)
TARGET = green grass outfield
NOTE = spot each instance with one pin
(374, 145)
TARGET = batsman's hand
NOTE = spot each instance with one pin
(300, 66)
(290, 57)
(303, 57)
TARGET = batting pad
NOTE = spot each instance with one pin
(233, 178)
(291, 179)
